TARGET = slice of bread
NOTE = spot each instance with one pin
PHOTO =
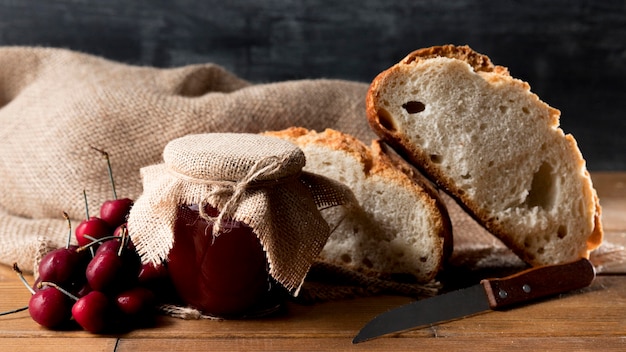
(483, 137)
(401, 226)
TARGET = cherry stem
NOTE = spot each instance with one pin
(124, 241)
(22, 278)
(94, 241)
(69, 225)
(106, 156)
(13, 311)
(86, 204)
(52, 284)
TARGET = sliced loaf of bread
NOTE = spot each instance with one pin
(494, 146)
(400, 225)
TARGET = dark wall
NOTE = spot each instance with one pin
(572, 52)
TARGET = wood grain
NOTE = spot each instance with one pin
(482, 344)
(591, 316)
(65, 344)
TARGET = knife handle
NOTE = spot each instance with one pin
(539, 282)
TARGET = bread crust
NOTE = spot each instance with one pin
(478, 62)
(382, 152)
(376, 161)
(385, 127)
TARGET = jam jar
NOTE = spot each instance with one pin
(224, 275)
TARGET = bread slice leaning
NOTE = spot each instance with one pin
(400, 225)
(482, 136)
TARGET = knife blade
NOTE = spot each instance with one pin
(489, 294)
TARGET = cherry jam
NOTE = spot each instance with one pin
(224, 275)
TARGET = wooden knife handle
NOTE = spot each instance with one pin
(538, 282)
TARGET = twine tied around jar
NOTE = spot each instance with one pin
(235, 190)
(255, 179)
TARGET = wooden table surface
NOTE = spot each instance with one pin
(590, 319)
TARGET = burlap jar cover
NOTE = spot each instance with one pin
(254, 179)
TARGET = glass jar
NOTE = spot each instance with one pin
(224, 275)
(255, 179)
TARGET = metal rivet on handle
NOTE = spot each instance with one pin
(526, 288)
(502, 293)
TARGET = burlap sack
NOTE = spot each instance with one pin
(254, 179)
(55, 104)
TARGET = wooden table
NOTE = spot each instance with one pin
(590, 319)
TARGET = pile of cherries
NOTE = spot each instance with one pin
(100, 283)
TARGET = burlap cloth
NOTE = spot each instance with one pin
(56, 104)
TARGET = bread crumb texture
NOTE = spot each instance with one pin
(495, 147)
(397, 229)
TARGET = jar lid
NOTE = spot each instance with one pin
(230, 156)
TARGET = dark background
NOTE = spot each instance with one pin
(572, 52)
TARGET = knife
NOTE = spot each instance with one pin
(489, 294)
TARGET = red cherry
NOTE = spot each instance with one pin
(119, 230)
(111, 271)
(93, 227)
(157, 279)
(115, 211)
(112, 245)
(92, 311)
(150, 273)
(103, 270)
(35, 286)
(50, 307)
(132, 262)
(122, 231)
(136, 301)
(63, 266)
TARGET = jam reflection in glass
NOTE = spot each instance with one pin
(223, 276)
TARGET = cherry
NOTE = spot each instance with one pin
(124, 248)
(150, 273)
(113, 245)
(224, 275)
(91, 228)
(118, 232)
(92, 311)
(156, 278)
(103, 270)
(35, 286)
(122, 231)
(136, 301)
(63, 265)
(113, 267)
(114, 211)
(50, 307)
